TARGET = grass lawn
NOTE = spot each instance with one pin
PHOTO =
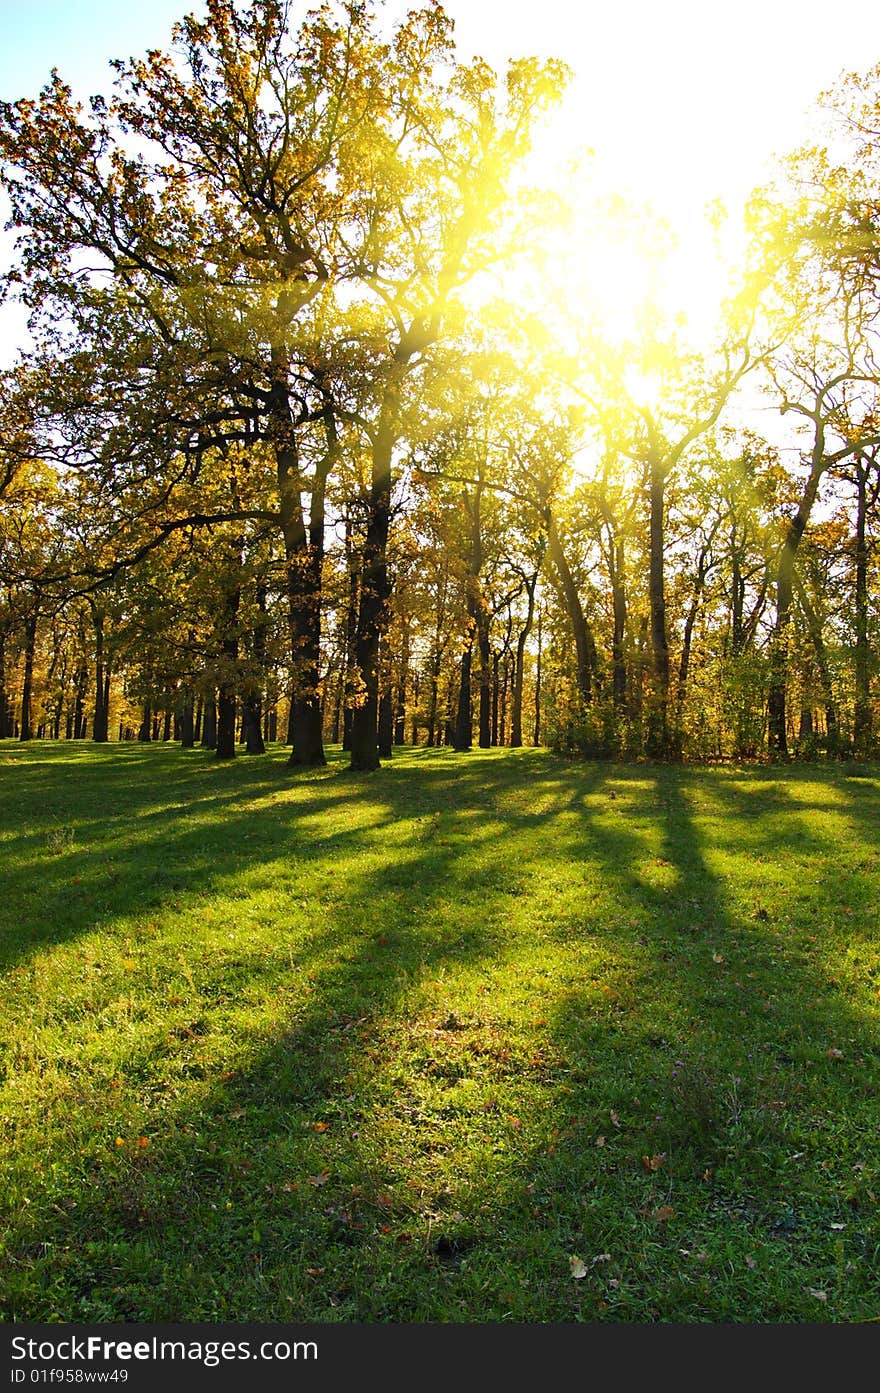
(475, 1038)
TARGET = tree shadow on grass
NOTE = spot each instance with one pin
(458, 1089)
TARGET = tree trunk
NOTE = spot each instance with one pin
(252, 732)
(463, 734)
(303, 554)
(252, 702)
(690, 621)
(516, 737)
(5, 704)
(536, 737)
(585, 648)
(145, 733)
(400, 713)
(209, 723)
(505, 686)
(485, 724)
(862, 721)
(226, 710)
(617, 576)
(187, 724)
(776, 700)
(374, 596)
(658, 742)
(386, 724)
(101, 723)
(815, 629)
(30, 643)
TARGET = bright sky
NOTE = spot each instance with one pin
(683, 101)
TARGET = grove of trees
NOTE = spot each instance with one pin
(313, 443)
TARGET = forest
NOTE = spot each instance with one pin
(335, 426)
(439, 817)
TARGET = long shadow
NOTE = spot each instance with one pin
(394, 1140)
(727, 1079)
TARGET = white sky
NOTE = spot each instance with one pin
(683, 101)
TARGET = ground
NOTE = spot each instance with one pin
(478, 1037)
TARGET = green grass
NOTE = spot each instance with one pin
(324, 1047)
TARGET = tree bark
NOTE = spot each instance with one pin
(815, 630)
(463, 734)
(585, 648)
(658, 741)
(386, 724)
(617, 577)
(516, 737)
(101, 723)
(252, 702)
(536, 736)
(485, 723)
(690, 621)
(776, 701)
(30, 643)
(209, 723)
(374, 594)
(862, 720)
(145, 731)
(303, 554)
(187, 723)
(5, 704)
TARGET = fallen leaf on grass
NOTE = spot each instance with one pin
(833, 1052)
(600, 1141)
(315, 1271)
(750, 1262)
(578, 1268)
(614, 1118)
(663, 1213)
(321, 1126)
(717, 958)
(653, 1163)
(819, 1295)
(319, 1179)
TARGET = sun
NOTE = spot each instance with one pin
(637, 246)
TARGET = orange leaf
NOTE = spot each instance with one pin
(653, 1163)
